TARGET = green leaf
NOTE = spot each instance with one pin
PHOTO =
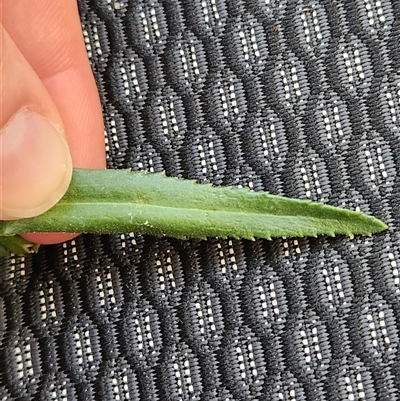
(17, 245)
(116, 201)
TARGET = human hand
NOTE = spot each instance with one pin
(50, 113)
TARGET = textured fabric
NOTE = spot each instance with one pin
(297, 98)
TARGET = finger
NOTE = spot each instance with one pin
(35, 163)
(48, 32)
(49, 35)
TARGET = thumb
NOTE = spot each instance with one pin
(35, 162)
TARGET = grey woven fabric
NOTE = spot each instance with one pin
(300, 98)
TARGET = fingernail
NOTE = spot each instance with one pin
(35, 166)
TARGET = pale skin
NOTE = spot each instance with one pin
(44, 72)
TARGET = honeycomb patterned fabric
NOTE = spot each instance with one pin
(299, 98)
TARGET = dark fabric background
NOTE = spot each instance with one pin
(300, 98)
